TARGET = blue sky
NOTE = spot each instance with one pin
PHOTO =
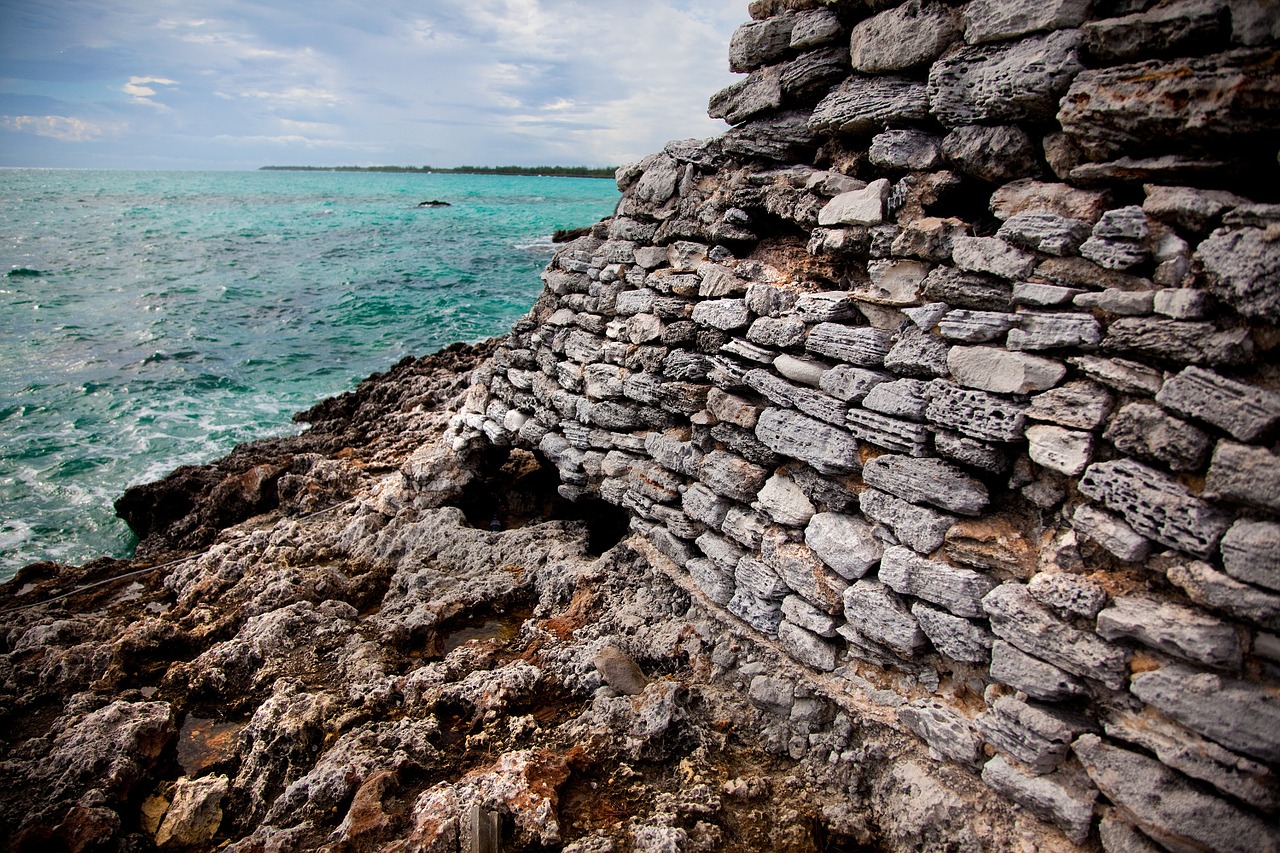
(192, 84)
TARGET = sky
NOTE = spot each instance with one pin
(229, 84)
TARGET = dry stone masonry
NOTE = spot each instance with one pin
(951, 369)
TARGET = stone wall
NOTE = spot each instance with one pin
(951, 369)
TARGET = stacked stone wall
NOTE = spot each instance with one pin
(951, 369)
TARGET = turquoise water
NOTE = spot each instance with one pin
(153, 319)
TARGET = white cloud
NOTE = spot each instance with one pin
(141, 91)
(65, 128)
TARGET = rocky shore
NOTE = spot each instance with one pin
(896, 471)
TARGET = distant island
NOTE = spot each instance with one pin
(536, 171)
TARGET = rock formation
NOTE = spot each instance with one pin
(897, 470)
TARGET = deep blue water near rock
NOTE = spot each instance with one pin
(153, 319)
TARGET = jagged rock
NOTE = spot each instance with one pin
(1080, 404)
(1200, 343)
(893, 283)
(1184, 632)
(958, 590)
(975, 413)
(1205, 585)
(857, 207)
(861, 105)
(801, 569)
(927, 481)
(783, 138)
(948, 733)
(1245, 411)
(1041, 330)
(783, 501)
(902, 397)
(912, 34)
(809, 76)
(761, 614)
(714, 583)
(1039, 680)
(1012, 81)
(923, 529)
(976, 454)
(995, 154)
(1039, 295)
(877, 612)
(1003, 372)
(1022, 621)
(990, 20)
(110, 748)
(967, 290)
(916, 352)
(862, 346)
(1251, 552)
(1190, 208)
(814, 28)
(723, 314)
(195, 814)
(801, 613)
(758, 93)
(1057, 798)
(957, 638)
(1063, 450)
(991, 255)
(759, 43)
(1037, 736)
(806, 647)
(1116, 301)
(1241, 266)
(825, 307)
(1111, 533)
(827, 448)
(844, 542)
(1121, 374)
(851, 384)
(1240, 715)
(1050, 233)
(974, 327)
(1247, 474)
(1147, 431)
(1030, 196)
(731, 476)
(1128, 108)
(776, 332)
(910, 150)
(760, 580)
(1166, 806)
(1155, 505)
(1168, 28)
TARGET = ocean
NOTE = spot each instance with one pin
(155, 319)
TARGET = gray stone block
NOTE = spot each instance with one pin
(903, 37)
(826, 448)
(1063, 450)
(991, 255)
(806, 371)
(901, 398)
(763, 615)
(1166, 29)
(1166, 806)
(776, 332)
(975, 454)
(714, 583)
(948, 733)
(1033, 628)
(1247, 474)
(976, 326)
(846, 543)
(954, 637)
(927, 481)
(1058, 798)
(892, 434)
(1114, 253)
(851, 384)
(975, 413)
(1251, 552)
(1079, 404)
(759, 579)
(1184, 632)
(877, 612)
(731, 476)
(1111, 533)
(864, 105)
(1147, 431)
(1047, 232)
(1180, 341)
(910, 150)
(916, 352)
(759, 92)
(800, 612)
(826, 307)
(923, 529)
(1003, 372)
(957, 589)
(1156, 505)
(997, 20)
(783, 501)
(1042, 330)
(967, 289)
(1241, 715)
(1119, 836)
(1121, 374)
(801, 569)
(861, 346)
(744, 526)
(808, 648)
(994, 154)
(757, 43)
(1207, 586)
(723, 314)
(1039, 680)
(779, 137)
(1037, 736)
(1002, 83)
(1068, 593)
(1245, 411)
(814, 28)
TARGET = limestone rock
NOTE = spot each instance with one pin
(857, 207)
(1079, 404)
(910, 150)
(801, 569)
(1110, 111)
(826, 448)
(844, 542)
(731, 476)
(830, 306)
(1240, 715)
(783, 138)
(953, 636)
(911, 34)
(996, 20)
(1156, 505)
(1113, 300)
(1247, 474)
(1207, 586)
(947, 732)
(801, 613)
(1251, 552)
(861, 346)
(975, 413)
(927, 481)
(1168, 28)
(923, 529)
(713, 582)
(784, 502)
(808, 77)
(1068, 593)
(195, 814)
(957, 589)
(968, 290)
(1003, 372)
(974, 326)
(991, 255)
(1147, 431)
(994, 154)
(862, 105)
(759, 43)
(758, 93)
(1037, 736)
(1039, 680)
(620, 671)
(893, 282)
(1121, 374)
(761, 614)
(723, 314)
(916, 352)
(1019, 619)
(1241, 266)
(814, 28)
(1012, 81)
(1166, 806)
(1111, 533)
(1047, 232)
(1042, 330)
(1245, 411)
(1057, 798)
(1184, 632)
(877, 612)
(1190, 208)
(807, 647)
(1030, 196)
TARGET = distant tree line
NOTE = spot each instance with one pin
(544, 171)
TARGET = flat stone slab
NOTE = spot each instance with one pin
(1245, 411)
(846, 543)
(927, 481)
(1056, 798)
(877, 612)
(827, 448)
(923, 529)
(957, 589)
(863, 105)
(947, 732)
(1006, 82)
(1251, 552)
(1181, 631)
(1003, 372)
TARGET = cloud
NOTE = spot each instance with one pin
(66, 128)
(141, 92)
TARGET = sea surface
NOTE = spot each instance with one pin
(154, 319)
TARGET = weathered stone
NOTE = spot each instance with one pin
(814, 28)
(1037, 736)
(1166, 806)
(1113, 300)
(902, 397)
(800, 567)
(844, 542)
(923, 529)
(996, 20)
(909, 150)
(993, 543)
(1186, 26)
(851, 384)
(800, 612)
(1041, 330)
(1124, 223)
(862, 346)
(1121, 374)
(732, 408)
(1245, 411)
(916, 352)
(1001, 371)
(958, 590)
(1180, 341)
(1008, 82)
(776, 332)
(672, 453)
(1080, 404)
(1039, 680)
(763, 615)
(864, 105)
(991, 255)
(857, 207)
(900, 38)
(1111, 533)
(1251, 552)
(975, 413)
(827, 448)
(1057, 798)
(1240, 715)
(1183, 632)
(717, 280)
(1241, 267)
(877, 612)
(928, 481)
(783, 501)
(953, 636)
(731, 476)
(1180, 748)
(1155, 505)
(825, 307)
(686, 256)
(714, 583)
(1033, 628)
(724, 314)
(806, 647)
(967, 290)
(1114, 254)
(994, 154)
(1227, 96)
(757, 43)
(1209, 587)
(1147, 431)
(1119, 836)
(894, 282)
(948, 734)
(195, 814)
(978, 455)
(808, 77)
(1247, 474)
(784, 138)
(702, 504)
(1063, 450)
(1190, 208)
(759, 92)
(760, 580)
(975, 326)
(1047, 232)
(1030, 196)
